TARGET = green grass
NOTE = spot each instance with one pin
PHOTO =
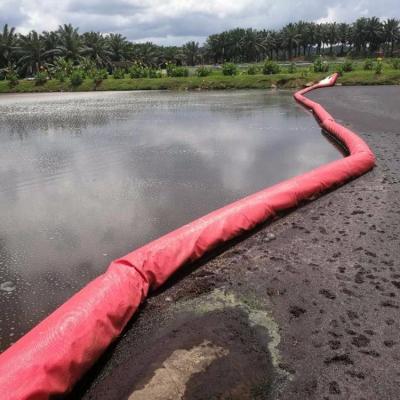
(216, 81)
(388, 77)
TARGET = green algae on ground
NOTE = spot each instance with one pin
(257, 312)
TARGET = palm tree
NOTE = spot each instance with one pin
(96, 48)
(7, 45)
(249, 44)
(391, 29)
(331, 36)
(171, 54)
(191, 52)
(70, 44)
(146, 53)
(50, 42)
(277, 39)
(374, 33)
(118, 46)
(319, 37)
(310, 37)
(232, 47)
(263, 49)
(215, 48)
(32, 52)
(343, 31)
(359, 30)
(290, 38)
(301, 27)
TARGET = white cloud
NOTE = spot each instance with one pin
(173, 21)
(346, 12)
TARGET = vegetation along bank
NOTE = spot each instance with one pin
(366, 51)
(254, 76)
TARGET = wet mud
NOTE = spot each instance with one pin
(216, 346)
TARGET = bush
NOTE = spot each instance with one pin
(320, 66)
(396, 63)
(170, 67)
(137, 71)
(292, 68)
(153, 73)
(99, 75)
(368, 65)
(41, 78)
(347, 66)
(252, 70)
(174, 71)
(270, 68)
(181, 71)
(229, 69)
(88, 66)
(76, 78)
(12, 78)
(119, 73)
(60, 75)
(63, 65)
(378, 67)
(203, 71)
(103, 73)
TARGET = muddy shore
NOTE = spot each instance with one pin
(306, 308)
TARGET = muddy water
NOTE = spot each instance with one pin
(85, 178)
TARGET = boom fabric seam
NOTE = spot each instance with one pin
(53, 356)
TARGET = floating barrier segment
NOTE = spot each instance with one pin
(50, 359)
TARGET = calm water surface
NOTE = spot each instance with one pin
(88, 177)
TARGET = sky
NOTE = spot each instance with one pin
(174, 22)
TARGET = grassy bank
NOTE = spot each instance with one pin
(212, 82)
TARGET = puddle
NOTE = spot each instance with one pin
(87, 177)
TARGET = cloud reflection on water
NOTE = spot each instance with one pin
(87, 177)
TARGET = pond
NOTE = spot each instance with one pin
(88, 177)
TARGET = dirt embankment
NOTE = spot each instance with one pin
(306, 308)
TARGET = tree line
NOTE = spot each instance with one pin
(28, 54)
